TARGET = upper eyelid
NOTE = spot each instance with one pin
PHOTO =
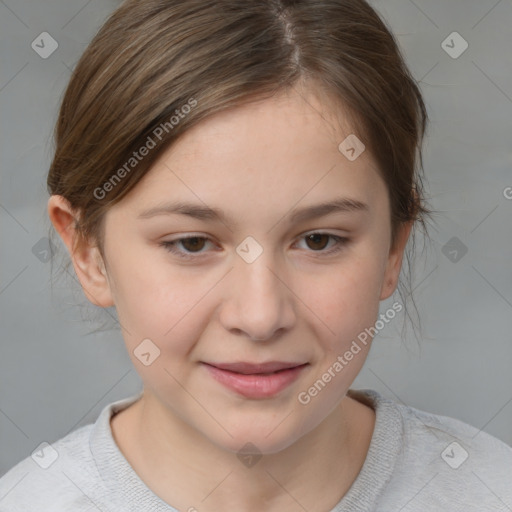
(302, 235)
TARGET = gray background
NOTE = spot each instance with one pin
(56, 374)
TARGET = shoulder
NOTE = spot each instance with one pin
(52, 478)
(460, 442)
(446, 464)
(76, 472)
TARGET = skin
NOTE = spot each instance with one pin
(295, 303)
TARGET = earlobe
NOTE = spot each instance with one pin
(86, 258)
(394, 263)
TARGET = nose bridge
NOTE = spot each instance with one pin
(255, 271)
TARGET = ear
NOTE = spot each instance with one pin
(87, 261)
(394, 263)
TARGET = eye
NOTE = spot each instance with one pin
(194, 244)
(191, 243)
(318, 241)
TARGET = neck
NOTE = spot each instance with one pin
(185, 469)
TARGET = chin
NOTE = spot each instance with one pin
(268, 435)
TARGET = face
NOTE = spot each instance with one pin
(246, 309)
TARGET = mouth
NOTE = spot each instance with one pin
(256, 368)
(256, 380)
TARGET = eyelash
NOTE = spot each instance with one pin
(341, 243)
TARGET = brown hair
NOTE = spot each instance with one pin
(161, 66)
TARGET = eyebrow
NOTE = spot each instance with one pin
(206, 213)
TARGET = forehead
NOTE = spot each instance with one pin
(282, 123)
(262, 154)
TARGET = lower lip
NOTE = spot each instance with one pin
(256, 385)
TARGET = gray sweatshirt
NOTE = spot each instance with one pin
(416, 461)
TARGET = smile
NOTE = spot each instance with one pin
(250, 380)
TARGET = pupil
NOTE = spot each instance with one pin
(193, 242)
(316, 236)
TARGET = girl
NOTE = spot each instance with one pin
(240, 180)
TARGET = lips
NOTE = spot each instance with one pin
(256, 380)
(255, 368)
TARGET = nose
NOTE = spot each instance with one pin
(259, 304)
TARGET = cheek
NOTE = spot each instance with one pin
(346, 299)
(157, 301)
